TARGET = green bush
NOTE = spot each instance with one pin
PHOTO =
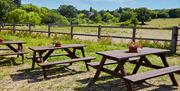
(33, 17)
(16, 16)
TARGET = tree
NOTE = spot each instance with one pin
(5, 7)
(153, 14)
(126, 16)
(90, 9)
(107, 17)
(174, 13)
(143, 14)
(16, 16)
(17, 2)
(30, 8)
(134, 22)
(32, 17)
(68, 11)
(119, 10)
(163, 15)
(54, 17)
(81, 18)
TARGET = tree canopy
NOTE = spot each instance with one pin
(143, 14)
(68, 11)
(14, 11)
(5, 7)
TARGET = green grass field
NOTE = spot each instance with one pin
(164, 23)
(123, 32)
(74, 78)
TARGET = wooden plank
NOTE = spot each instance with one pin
(152, 74)
(153, 39)
(12, 42)
(52, 55)
(40, 48)
(108, 62)
(85, 34)
(16, 53)
(124, 54)
(1, 49)
(67, 61)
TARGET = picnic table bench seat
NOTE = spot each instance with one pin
(3, 49)
(108, 62)
(44, 64)
(52, 55)
(152, 74)
(15, 53)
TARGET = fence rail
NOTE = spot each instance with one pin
(173, 40)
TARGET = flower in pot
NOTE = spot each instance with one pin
(133, 47)
(1, 40)
(57, 44)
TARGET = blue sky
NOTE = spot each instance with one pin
(107, 4)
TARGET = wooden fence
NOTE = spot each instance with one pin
(174, 37)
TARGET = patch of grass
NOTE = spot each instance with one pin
(163, 23)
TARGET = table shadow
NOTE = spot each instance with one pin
(164, 87)
(8, 61)
(117, 85)
(36, 75)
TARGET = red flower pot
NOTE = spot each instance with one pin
(1, 40)
(133, 48)
(57, 45)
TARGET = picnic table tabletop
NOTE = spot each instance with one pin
(41, 48)
(12, 42)
(125, 54)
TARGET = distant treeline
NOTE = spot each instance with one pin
(13, 11)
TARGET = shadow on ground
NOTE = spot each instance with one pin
(117, 85)
(36, 75)
(164, 87)
(7, 61)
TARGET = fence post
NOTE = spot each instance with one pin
(99, 32)
(72, 27)
(1, 27)
(30, 28)
(49, 30)
(134, 34)
(174, 39)
(14, 27)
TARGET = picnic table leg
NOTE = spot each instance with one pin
(21, 49)
(44, 72)
(48, 54)
(172, 77)
(41, 57)
(123, 73)
(12, 48)
(18, 50)
(138, 65)
(99, 69)
(83, 54)
(71, 54)
(116, 70)
(33, 60)
(22, 55)
(74, 50)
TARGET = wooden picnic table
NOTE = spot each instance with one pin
(42, 53)
(120, 57)
(16, 51)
